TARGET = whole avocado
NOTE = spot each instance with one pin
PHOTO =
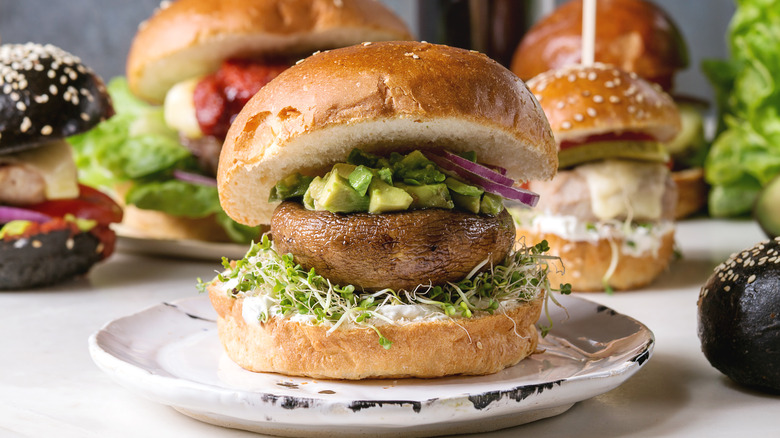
(739, 317)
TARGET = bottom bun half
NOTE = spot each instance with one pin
(473, 346)
(587, 262)
(152, 224)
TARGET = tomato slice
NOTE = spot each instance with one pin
(91, 204)
(219, 97)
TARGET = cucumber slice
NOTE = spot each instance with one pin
(600, 150)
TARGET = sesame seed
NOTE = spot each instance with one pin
(84, 117)
(609, 84)
(727, 288)
(26, 124)
(578, 117)
(37, 244)
(566, 125)
(572, 77)
(592, 76)
(46, 130)
(631, 109)
(367, 43)
(21, 106)
(560, 104)
(591, 112)
(52, 90)
(614, 99)
(598, 99)
(751, 279)
(586, 93)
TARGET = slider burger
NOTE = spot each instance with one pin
(51, 227)
(392, 253)
(202, 60)
(636, 36)
(609, 212)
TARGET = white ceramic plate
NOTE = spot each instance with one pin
(170, 353)
(184, 248)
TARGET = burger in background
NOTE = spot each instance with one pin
(609, 212)
(51, 227)
(635, 36)
(191, 68)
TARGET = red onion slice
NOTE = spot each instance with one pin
(8, 214)
(472, 167)
(194, 178)
(506, 191)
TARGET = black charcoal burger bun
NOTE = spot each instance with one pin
(46, 94)
(739, 317)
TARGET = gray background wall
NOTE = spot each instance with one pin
(100, 31)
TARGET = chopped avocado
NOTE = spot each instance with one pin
(491, 204)
(462, 188)
(360, 178)
(767, 208)
(384, 197)
(292, 186)
(14, 228)
(313, 192)
(337, 196)
(467, 203)
(428, 195)
(633, 150)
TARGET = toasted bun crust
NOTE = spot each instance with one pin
(634, 35)
(581, 101)
(480, 345)
(691, 191)
(586, 262)
(190, 38)
(380, 97)
(154, 224)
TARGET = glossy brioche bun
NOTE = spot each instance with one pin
(586, 262)
(191, 38)
(380, 97)
(582, 101)
(634, 35)
(473, 346)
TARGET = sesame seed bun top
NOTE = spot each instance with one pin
(191, 38)
(46, 94)
(635, 35)
(582, 101)
(380, 97)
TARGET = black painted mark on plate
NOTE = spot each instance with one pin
(287, 402)
(290, 385)
(326, 391)
(482, 401)
(356, 406)
(193, 316)
(609, 311)
(643, 356)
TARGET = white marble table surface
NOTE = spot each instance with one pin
(49, 385)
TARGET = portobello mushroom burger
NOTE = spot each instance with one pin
(51, 227)
(392, 254)
(190, 69)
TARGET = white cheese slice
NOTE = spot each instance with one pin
(622, 188)
(54, 163)
(179, 109)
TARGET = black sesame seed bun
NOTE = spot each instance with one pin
(47, 258)
(46, 94)
(739, 317)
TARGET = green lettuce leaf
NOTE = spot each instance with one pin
(136, 145)
(745, 155)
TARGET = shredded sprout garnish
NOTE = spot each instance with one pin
(521, 277)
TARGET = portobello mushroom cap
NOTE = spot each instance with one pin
(47, 258)
(400, 250)
(739, 317)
